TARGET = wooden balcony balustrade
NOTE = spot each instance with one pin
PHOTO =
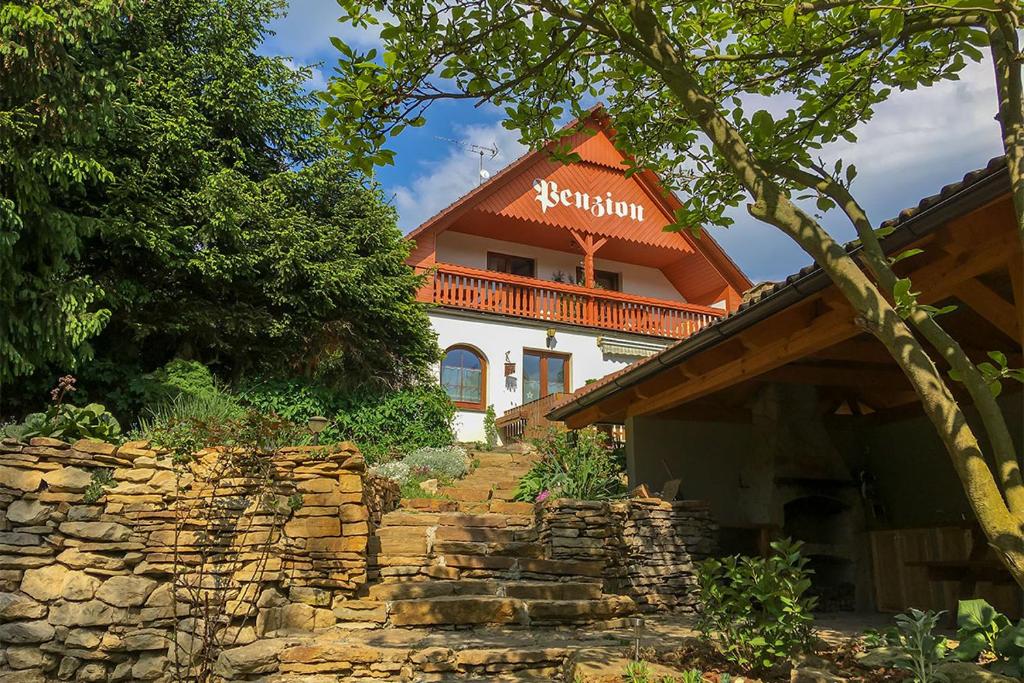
(524, 297)
(527, 422)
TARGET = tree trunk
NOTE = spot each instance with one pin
(1005, 48)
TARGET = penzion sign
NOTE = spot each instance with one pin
(549, 195)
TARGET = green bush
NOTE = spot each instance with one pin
(177, 378)
(755, 610)
(384, 425)
(581, 465)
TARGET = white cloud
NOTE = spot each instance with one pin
(917, 142)
(444, 180)
(943, 121)
(305, 31)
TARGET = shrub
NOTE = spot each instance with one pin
(296, 399)
(755, 610)
(579, 465)
(382, 423)
(448, 463)
(177, 378)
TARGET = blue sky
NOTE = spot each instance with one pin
(916, 143)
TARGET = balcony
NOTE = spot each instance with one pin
(522, 297)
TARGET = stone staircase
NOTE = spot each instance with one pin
(474, 559)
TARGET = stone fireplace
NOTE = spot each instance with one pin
(801, 488)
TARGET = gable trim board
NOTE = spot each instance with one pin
(510, 196)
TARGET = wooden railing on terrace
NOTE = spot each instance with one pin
(527, 422)
(490, 292)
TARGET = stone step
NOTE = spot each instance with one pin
(429, 504)
(484, 534)
(494, 459)
(466, 492)
(408, 590)
(463, 519)
(524, 590)
(526, 549)
(504, 494)
(540, 568)
(591, 568)
(457, 611)
(552, 590)
(478, 610)
(549, 612)
(512, 508)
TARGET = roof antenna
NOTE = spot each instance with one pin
(479, 150)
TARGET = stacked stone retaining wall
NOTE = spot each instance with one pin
(144, 576)
(650, 547)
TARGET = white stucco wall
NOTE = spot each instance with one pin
(471, 251)
(494, 335)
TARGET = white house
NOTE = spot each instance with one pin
(550, 275)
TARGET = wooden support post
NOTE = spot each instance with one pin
(589, 245)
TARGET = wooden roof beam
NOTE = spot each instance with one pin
(827, 330)
(848, 376)
(990, 306)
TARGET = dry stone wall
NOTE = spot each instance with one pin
(148, 577)
(649, 547)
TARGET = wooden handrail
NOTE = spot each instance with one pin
(570, 288)
(488, 291)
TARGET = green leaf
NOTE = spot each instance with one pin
(906, 254)
(975, 614)
(999, 357)
(789, 14)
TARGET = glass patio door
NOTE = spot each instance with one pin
(544, 374)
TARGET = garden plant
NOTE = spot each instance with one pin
(574, 464)
(756, 609)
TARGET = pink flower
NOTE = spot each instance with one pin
(543, 495)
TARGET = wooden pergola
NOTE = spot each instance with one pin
(803, 332)
(971, 258)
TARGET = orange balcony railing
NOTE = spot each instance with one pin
(523, 297)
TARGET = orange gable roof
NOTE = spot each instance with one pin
(591, 196)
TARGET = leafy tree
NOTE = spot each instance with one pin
(189, 205)
(679, 78)
(233, 233)
(56, 93)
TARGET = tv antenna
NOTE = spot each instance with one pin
(479, 150)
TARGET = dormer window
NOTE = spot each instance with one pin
(513, 265)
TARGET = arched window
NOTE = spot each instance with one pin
(464, 377)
